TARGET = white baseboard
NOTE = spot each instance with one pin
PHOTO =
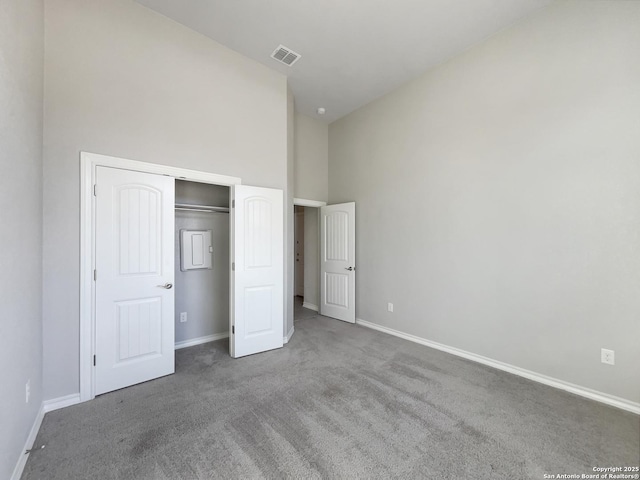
(200, 340)
(45, 407)
(310, 306)
(536, 377)
(286, 339)
(60, 402)
(33, 433)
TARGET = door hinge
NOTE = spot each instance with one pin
(95, 275)
(233, 204)
(94, 190)
(233, 266)
(94, 360)
(233, 329)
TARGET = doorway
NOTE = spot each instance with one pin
(298, 252)
(201, 287)
(324, 258)
(306, 257)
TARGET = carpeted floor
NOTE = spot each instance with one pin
(339, 401)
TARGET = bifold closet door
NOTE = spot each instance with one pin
(134, 278)
(257, 293)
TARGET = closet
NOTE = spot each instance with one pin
(133, 290)
(201, 292)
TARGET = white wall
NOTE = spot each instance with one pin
(124, 81)
(311, 158)
(498, 197)
(311, 183)
(21, 79)
(288, 221)
(202, 294)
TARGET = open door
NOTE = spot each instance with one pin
(257, 283)
(134, 328)
(338, 261)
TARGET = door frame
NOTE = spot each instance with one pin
(304, 202)
(88, 164)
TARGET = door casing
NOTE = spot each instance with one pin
(88, 164)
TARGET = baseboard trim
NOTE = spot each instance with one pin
(200, 340)
(45, 407)
(536, 377)
(31, 438)
(310, 306)
(288, 336)
(60, 402)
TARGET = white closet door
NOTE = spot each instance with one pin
(338, 261)
(257, 298)
(134, 278)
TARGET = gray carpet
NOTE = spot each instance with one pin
(339, 401)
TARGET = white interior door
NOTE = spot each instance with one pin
(134, 277)
(338, 261)
(257, 293)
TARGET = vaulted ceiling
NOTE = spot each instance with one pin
(353, 51)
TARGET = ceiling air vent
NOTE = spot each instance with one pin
(285, 55)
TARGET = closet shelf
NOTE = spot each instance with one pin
(201, 208)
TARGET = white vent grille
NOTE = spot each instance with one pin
(285, 55)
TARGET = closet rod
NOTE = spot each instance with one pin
(201, 208)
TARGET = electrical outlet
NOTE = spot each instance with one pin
(27, 391)
(390, 307)
(183, 317)
(607, 356)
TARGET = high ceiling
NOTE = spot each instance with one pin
(353, 51)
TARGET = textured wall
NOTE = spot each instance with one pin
(498, 197)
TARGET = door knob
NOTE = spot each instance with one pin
(351, 269)
(166, 285)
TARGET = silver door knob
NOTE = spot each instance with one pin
(166, 285)
(351, 269)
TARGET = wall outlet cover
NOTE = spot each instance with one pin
(607, 356)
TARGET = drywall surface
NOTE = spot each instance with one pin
(311, 183)
(498, 197)
(121, 80)
(21, 78)
(311, 256)
(311, 158)
(202, 294)
(288, 220)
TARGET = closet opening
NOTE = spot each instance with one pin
(202, 259)
(128, 268)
